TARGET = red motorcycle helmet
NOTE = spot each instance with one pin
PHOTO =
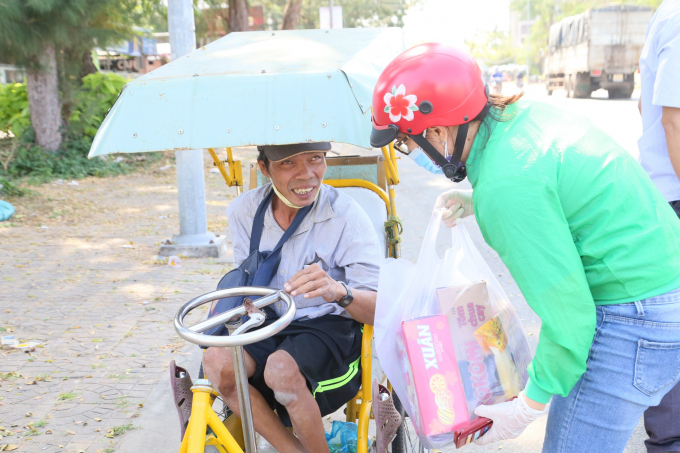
(428, 85)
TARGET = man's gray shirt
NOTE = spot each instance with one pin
(336, 234)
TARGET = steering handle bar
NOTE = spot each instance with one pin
(270, 296)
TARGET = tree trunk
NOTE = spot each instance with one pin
(291, 14)
(238, 15)
(88, 66)
(44, 102)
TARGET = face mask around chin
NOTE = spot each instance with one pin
(420, 158)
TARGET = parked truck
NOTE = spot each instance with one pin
(599, 48)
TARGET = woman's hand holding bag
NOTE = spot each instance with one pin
(458, 204)
(510, 419)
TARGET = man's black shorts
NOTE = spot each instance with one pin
(327, 350)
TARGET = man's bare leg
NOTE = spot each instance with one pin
(284, 377)
(219, 369)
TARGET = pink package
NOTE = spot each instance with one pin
(434, 383)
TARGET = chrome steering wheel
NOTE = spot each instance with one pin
(238, 337)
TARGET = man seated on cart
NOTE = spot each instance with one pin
(311, 368)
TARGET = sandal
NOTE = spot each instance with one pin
(387, 418)
(180, 381)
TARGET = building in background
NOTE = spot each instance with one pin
(135, 56)
(216, 20)
(520, 28)
(162, 43)
(11, 74)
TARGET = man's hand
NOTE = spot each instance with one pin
(314, 282)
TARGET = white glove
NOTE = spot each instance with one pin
(458, 204)
(509, 419)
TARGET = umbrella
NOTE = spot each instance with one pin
(255, 88)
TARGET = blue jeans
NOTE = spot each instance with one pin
(633, 362)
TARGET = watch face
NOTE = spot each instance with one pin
(345, 301)
(348, 299)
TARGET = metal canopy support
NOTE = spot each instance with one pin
(194, 238)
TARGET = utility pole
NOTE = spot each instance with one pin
(528, 34)
(193, 239)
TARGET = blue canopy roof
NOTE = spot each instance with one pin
(255, 88)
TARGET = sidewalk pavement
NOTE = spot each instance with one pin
(106, 337)
(89, 290)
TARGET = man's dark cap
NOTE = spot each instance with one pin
(276, 153)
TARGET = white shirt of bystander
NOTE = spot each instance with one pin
(660, 78)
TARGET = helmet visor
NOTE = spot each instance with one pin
(383, 135)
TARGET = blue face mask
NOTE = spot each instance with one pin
(420, 158)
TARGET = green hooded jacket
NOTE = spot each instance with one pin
(578, 223)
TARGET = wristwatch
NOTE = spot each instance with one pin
(346, 300)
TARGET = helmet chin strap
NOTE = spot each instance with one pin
(454, 170)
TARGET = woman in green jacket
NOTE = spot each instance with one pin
(590, 241)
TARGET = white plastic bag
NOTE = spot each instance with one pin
(407, 292)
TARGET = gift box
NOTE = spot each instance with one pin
(433, 381)
(487, 369)
(457, 361)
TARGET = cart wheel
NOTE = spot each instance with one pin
(399, 442)
(405, 440)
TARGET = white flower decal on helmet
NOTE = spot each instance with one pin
(399, 105)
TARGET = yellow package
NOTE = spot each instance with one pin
(491, 337)
(491, 334)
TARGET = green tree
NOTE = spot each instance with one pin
(14, 116)
(93, 100)
(358, 13)
(494, 47)
(52, 38)
(213, 18)
(301, 14)
(291, 15)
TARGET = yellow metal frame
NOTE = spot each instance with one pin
(392, 174)
(358, 408)
(202, 415)
(233, 176)
(391, 165)
(361, 183)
